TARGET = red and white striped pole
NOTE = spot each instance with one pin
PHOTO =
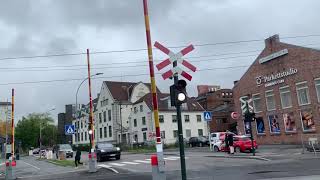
(153, 88)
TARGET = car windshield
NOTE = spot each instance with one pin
(102, 146)
(65, 146)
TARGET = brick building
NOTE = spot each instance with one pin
(220, 103)
(284, 84)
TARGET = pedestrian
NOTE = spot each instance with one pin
(77, 157)
(226, 141)
(230, 140)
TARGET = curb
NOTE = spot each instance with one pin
(241, 157)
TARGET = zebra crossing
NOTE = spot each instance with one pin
(136, 162)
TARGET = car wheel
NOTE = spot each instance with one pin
(216, 149)
(237, 149)
(117, 157)
(200, 144)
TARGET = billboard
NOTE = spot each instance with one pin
(274, 123)
(260, 125)
(307, 120)
(289, 122)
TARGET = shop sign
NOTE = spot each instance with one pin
(273, 56)
(274, 79)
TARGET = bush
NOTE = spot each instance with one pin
(81, 147)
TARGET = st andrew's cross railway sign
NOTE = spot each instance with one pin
(175, 57)
(244, 107)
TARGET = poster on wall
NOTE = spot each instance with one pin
(274, 123)
(307, 120)
(289, 122)
(260, 125)
(246, 127)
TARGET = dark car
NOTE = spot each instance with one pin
(63, 148)
(107, 151)
(198, 141)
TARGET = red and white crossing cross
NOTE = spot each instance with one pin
(175, 57)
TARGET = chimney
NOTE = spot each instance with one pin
(235, 82)
(271, 41)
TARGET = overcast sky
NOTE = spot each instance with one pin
(31, 28)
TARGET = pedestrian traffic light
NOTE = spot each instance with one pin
(178, 94)
(249, 116)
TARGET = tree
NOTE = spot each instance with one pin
(27, 130)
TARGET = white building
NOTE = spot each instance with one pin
(5, 111)
(123, 113)
(142, 120)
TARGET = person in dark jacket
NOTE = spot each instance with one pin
(226, 141)
(77, 157)
(230, 140)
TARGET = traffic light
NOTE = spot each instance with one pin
(249, 117)
(178, 94)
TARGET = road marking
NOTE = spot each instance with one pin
(116, 164)
(108, 167)
(1, 164)
(148, 159)
(31, 165)
(142, 161)
(133, 163)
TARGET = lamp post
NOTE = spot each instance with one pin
(41, 130)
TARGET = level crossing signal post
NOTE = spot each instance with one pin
(249, 116)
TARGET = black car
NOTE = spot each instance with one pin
(198, 141)
(107, 151)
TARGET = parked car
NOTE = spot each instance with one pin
(217, 140)
(36, 151)
(198, 141)
(241, 144)
(107, 150)
(185, 141)
(65, 148)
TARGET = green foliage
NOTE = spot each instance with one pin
(28, 130)
(63, 163)
(81, 147)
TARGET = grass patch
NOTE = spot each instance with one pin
(63, 163)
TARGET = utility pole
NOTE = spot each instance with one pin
(249, 118)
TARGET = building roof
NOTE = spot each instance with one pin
(223, 108)
(163, 104)
(121, 91)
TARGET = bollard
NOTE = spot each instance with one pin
(92, 162)
(9, 170)
(156, 174)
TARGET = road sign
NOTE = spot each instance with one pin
(234, 115)
(244, 102)
(69, 129)
(175, 57)
(207, 116)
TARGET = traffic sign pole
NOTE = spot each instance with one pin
(247, 112)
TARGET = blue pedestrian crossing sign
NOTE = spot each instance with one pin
(207, 116)
(69, 129)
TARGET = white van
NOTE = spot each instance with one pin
(217, 140)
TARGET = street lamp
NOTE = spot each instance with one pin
(41, 130)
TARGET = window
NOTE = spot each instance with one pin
(135, 123)
(256, 101)
(188, 133)
(198, 118)
(109, 115)
(303, 93)
(110, 131)
(105, 116)
(81, 125)
(82, 136)
(271, 105)
(285, 96)
(174, 118)
(163, 134)
(143, 120)
(317, 83)
(135, 110)
(141, 108)
(200, 132)
(78, 136)
(186, 118)
(175, 133)
(85, 136)
(161, 119)
(100, 118)
(105, 132)
(144, 136)
(100, 132)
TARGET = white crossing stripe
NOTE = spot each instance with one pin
(116, 164)
(104, 166)
(133, 163)
(141, 161)
(148, 159)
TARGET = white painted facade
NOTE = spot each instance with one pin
(168, 126)
(5, 112)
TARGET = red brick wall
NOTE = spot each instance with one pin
(307, 61)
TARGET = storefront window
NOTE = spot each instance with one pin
(303, 93)
(274, 123)
(260, 125)
(285, 96)
(256, 103)
(317, 83)
(289, 122)
(246, 127)
(307, 120)
(271, 105)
